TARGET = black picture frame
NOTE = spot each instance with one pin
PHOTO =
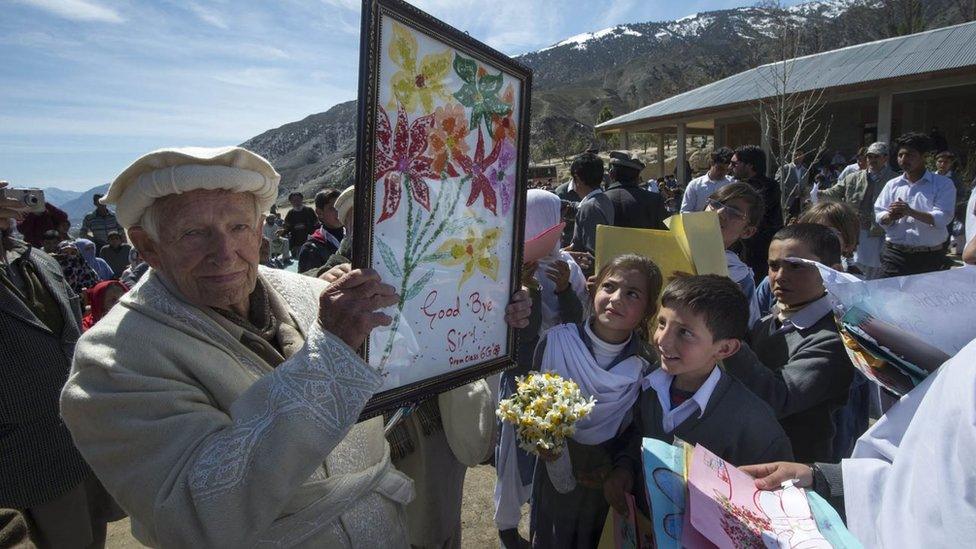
(373, 12)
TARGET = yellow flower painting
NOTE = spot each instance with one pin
(475, 251)
(417, 86)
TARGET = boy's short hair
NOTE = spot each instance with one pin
(915, 141)
(717, 299)
(946, 154)
(822, 241)
(835, 215)
(589, 168)
(324, 197)
(722, 155)
(746, 193)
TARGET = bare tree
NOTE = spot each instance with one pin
(793, 119)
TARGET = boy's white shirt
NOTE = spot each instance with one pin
(660, 381)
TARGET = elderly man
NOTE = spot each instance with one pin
(218, 402)
(860, 189)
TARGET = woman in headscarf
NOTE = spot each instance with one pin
(101, 297)
(76, 272)
(558, 289)
(90, 255)
(137, 268)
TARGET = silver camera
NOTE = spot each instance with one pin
(32, 198)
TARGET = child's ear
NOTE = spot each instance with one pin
(727, 348)
(748, 232)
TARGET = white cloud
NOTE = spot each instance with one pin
(209, 16)
(77, 10)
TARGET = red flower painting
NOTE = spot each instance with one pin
(476, 167)
(400, 158)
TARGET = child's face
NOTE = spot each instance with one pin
(686, 346)
(793, 283)
(733, 219)
(620, 304)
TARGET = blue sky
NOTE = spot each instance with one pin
(90, 85)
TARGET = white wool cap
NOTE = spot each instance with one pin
(175, 171)
(345, 202)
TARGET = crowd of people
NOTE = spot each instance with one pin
(214, 397)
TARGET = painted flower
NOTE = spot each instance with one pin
(399, 160)
(415, 85)
(502, 175)
(448, 138)
(479, 92)
(474, 251)
(502, 126)
(476, 168)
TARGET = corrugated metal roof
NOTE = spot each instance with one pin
(940, 49)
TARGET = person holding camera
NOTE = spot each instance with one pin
(595, 208)
(49, 497)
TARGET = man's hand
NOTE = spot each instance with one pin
(898, 209)
(347, 308)
(583, 259)
(558, 272)
(615, 488)
(11, 208)
(518, 310)
(770, 476)
(335, 273)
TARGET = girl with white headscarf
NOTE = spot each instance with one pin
(558, 290)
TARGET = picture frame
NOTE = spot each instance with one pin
(441, 168)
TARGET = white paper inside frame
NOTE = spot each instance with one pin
(444, 210)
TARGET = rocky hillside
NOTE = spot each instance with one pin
(623, 68)
(313, 153)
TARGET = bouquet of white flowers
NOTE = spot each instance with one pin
(544, 411)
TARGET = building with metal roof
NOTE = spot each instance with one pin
(871, 91)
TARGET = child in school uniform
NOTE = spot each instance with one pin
(558, 290)
(605, 356)
(740, 209)
(795, 360)
(701, 322)
(840, 216)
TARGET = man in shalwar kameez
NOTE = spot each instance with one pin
(218, 402)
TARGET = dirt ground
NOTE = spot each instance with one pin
(477, 511)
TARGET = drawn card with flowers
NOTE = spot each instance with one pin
(439, 204)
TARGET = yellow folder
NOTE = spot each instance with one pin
(693, 245)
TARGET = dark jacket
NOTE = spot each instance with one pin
(317, 250)
(756, 248)
(299, 224)
(736, 425)
(804, 375)
(636, 207)
(39, 461)
(564, 193)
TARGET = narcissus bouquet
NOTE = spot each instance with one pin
(544, 411)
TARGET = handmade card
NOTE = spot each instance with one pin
(442, 143)
(726, 508)
(664, 466)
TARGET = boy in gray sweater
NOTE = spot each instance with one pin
(795, 359)
(701, 322)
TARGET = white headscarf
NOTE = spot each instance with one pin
(542, 212)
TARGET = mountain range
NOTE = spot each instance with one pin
(619, 69)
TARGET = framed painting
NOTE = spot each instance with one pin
(440, 197)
